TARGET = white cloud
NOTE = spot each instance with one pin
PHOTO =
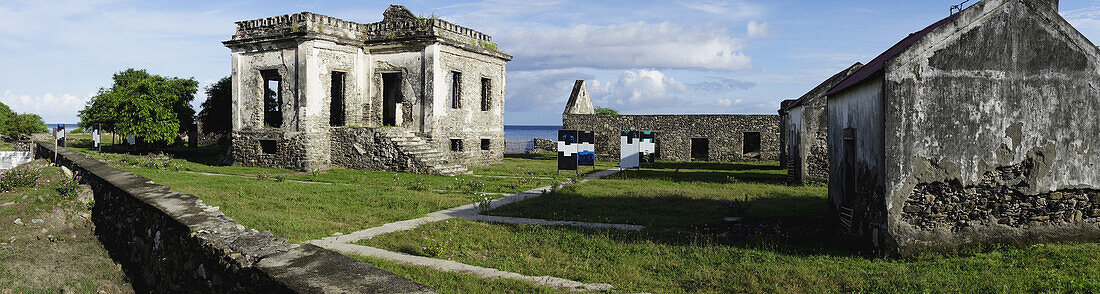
(731, 9)
(761, 29)
(645, 89)
(1086, 20)
(626, 46)
(53, 108)
(547, 90)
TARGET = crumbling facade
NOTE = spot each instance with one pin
(804, 131)
(403, 94)
(980, 128)
(678, 137)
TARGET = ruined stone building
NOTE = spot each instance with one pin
(982, 127)
(803, 148)
(403, 94)
(678, 137)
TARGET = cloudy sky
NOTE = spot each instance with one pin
(640, 57)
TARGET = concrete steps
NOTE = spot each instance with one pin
(419, 150)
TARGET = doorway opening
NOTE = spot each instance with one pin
(391, 96)
(700, 149)
(750, 146)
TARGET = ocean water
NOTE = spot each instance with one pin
(529, 132)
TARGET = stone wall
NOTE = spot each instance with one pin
(363, 148)
(170, 242)
(725, 134)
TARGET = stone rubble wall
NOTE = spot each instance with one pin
(363, 148)
(674, 134)
(168, 242)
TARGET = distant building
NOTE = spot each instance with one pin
(403, 94)
(679, 137)
(804, 131)
(982, 127)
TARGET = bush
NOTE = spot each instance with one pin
(69, 187)
(20, 177)
(605, 110)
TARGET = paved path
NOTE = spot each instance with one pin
(470, 212)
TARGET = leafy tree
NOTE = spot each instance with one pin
(25, 124)
(5, 115)
(216, 115)
(605, 110)
(148, 106)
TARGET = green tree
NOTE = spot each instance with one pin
(605, 110)
(25, 124)
(148, 106)
(216, 114)
(5, 115)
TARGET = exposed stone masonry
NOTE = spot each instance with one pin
(168, 242)
(725, 134)
(997, 199)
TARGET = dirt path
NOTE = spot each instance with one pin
(47, 245)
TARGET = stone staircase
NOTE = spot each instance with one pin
(419, 150)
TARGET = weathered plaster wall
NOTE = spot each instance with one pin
(856, 167)
(169, 242)
(992, 131)
(305, 49)
(674, 133)
(469, 123)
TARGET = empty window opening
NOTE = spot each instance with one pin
(456, 90)
(273, 99)
(391, 96)
(336, 104)
(849, 190)
(486, 93)
(269, 147)
(700, 149)
(456, 145)
(750, 143)
(485, 144)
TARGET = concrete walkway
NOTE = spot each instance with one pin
(470, 212)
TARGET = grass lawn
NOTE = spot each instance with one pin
(448, 282)
(678, 194)
(327, 202)
(684, 262)
(46, 240)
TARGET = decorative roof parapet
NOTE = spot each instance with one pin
(398, 24)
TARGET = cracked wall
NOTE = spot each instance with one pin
(992, 131)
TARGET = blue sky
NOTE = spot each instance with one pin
(640, 57)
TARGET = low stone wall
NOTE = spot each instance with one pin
(725, 134)
(170, 242)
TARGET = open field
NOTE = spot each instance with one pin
(687, 262)
(46, 240)
(302, 206)
(781, 245)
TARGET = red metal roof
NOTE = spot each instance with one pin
(879, 62)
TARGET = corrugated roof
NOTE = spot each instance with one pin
(876, 64)
(821, 87)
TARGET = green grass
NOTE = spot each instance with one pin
(33, 262)
(448, 282)
(332, 201)
(677, 262)
(677, 194)
(542, 165)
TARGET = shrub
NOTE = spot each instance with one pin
(69, 187)
(20, 177)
